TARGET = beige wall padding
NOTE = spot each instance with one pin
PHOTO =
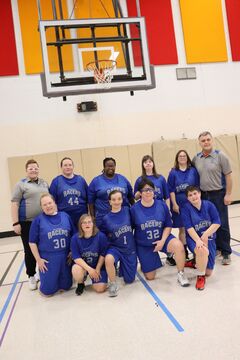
(136, 153)
(228, 144)
(89, 162)
(190, 145)
(120, 154)
(164, 153)
(76, 157)
(48, 166)
(92, 160)
(16, 168)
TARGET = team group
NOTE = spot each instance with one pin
(72, 230)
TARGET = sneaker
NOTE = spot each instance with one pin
(170, 261)
(32, 283)
(79, 289)
(190, 264)
(182, 279)
(112, 289)
(200, 283)
(37, 277)
(226, 260)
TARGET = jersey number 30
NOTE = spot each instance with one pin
(59, 243)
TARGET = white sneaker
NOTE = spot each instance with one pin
(112, 289)
(182, 279)
(37, 277)
(32, 283)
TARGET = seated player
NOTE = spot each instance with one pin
(201, 221)
(152, 231)
(88, 251)
(49, 240)
(117, 226)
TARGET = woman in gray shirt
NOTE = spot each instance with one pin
(24, 207)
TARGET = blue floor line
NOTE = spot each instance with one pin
(236, 252)
(161, 304)
(5, 306)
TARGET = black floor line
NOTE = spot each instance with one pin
(235, 240)
(8, 268)
(19, 282)
(235, 245)
(9, 252)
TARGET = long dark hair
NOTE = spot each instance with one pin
(145, 158)
(176, 163)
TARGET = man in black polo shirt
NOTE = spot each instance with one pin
(215, 171)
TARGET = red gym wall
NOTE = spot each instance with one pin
(160, 32)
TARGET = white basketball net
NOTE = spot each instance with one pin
(102, 71)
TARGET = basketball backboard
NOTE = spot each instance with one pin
(121, 39)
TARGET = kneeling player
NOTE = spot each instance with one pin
(152, 224)
(88, 251)
(201, 221)
(49, 240)
(117, 226)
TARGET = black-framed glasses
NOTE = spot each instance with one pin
(147, 190)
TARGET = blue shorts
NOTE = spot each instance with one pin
(128, 264)
(58, 276)
(103, 278)
(211, 248)
(150, 260)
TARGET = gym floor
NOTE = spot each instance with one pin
(147, 320)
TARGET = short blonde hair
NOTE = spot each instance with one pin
(81, 220)
(45, 194)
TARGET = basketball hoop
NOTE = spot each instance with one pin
(102, 71)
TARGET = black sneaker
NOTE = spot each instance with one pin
(170, 261)
(79, 289)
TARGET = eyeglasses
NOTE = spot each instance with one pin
(87, 222)
(147, 190)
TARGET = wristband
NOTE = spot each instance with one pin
(16, 223)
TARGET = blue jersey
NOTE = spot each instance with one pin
(99, 189)
(51, 233)
(89, 249)
(201, 219)
(160, 185)
(179, 180)
(118, 228)
(70, 195)
(149, 222)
